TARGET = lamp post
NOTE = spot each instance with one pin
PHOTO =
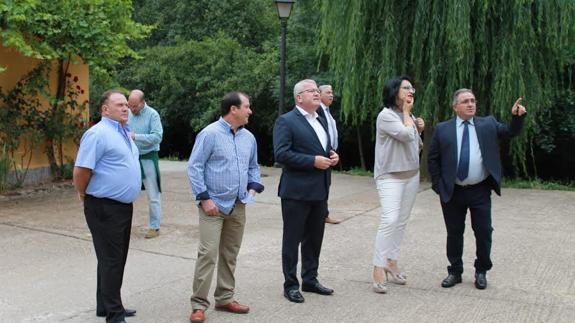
(284, 10)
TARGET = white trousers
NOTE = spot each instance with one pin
(396, 196)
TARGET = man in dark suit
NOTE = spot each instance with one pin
(303, 148)
(465, 166)
(326, 98)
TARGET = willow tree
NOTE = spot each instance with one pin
(96, 32)
(501, 49)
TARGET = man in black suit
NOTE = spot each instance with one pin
(303, 148)
(326, 98)
(465, 166)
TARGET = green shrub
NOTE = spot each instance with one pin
(539, 184)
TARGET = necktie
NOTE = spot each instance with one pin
(126, 136)
(463, 167)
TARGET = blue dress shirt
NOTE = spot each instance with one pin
(223, 166)
(113, 158)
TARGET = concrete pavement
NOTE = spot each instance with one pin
(47, 260)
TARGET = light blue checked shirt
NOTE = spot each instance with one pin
(224, 166)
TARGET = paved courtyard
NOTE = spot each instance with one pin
(47, 260)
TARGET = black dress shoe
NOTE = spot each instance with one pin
(480, 281)
(128, 313)
(293, 295)
(317, 288)
(451, 280)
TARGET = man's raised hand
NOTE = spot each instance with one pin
(518, 109)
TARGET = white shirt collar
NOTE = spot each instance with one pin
(459, 121)
(307, 114)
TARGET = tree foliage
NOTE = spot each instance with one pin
(95, 32)
(199, 50)
(238, 39)
(249, 22)
(186, 82)
(501, 49)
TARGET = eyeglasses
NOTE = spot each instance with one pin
(309, 91)
(409, 88)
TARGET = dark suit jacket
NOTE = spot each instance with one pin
(295, 147)
(442, 158)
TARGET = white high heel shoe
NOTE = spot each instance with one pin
(398, 278)
(380, 288)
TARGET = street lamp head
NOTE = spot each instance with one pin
(284, 8)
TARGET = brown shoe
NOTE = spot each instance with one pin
(152, 233)
(330, 220)
(197, 316)
(234, 307)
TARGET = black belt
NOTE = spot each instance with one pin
(105, 199)
(466, 187)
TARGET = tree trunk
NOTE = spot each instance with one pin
(360, 148)
(52, 137)
(49, 149)
(427, 135)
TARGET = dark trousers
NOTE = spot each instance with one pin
(304, 223)
(476, 198)
(110, 223)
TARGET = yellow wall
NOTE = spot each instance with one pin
(16, 67)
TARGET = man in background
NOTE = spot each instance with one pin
(147, 134)
(326, 97)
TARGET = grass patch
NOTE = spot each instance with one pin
(357, 171)
(538, 184)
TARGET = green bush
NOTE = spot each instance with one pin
(538, 184)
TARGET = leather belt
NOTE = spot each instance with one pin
(466, 187)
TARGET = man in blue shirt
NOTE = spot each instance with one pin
(107, 179)
(225, 176)
(147, 133)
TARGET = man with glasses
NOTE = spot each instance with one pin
(147, 134)
(465, 166)
(326, 97)
(303, 148)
